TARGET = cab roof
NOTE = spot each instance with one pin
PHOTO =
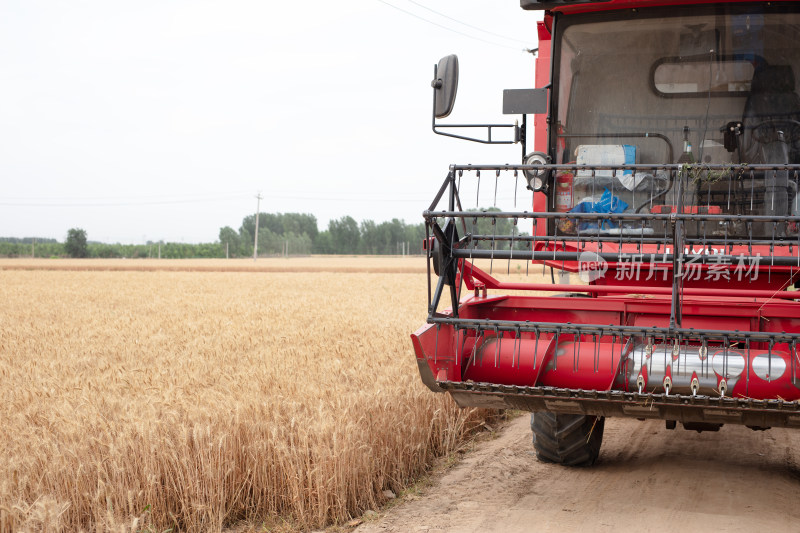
(583, 6)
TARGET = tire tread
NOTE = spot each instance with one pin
(570, 440)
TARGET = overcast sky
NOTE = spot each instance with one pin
(149, 120)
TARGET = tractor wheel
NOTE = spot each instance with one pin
(570, 440)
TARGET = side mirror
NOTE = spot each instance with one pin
(445, 85)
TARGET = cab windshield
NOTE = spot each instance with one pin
(713, 86)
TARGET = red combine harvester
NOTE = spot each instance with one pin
(665, 186)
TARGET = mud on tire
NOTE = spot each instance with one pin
(570, 440)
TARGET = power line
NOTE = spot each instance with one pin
(447, 27)
(394, 196)
(469, 25)
(216, 199)
(343, 199)
(207, 200)
(146, 197)
(389, 197)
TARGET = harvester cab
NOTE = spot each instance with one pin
(664, 187)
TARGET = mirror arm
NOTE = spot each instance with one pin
(488, 127)
(436, 84)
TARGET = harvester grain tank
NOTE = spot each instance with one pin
(664, 187)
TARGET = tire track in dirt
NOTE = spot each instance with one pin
(647, 478)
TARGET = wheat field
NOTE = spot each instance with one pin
(202, 395)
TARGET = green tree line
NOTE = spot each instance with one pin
(49, 248)
(278, 234)
(298, 234)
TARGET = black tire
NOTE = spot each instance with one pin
(570, 440)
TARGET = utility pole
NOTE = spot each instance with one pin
(255, 243)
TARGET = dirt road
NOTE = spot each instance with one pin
(647, 478)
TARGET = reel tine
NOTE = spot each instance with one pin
(725, 235)
(668, 352)
(463, 344)
(478, 193)
(513, 234)
(471, 239)
(613, 342)
(705, 359)
(516, 186)
(496, 346)
(633, 174)
(496, 179)
(624, 341)
(730, 181)
(665, 346)
(533, 248)
(555, 352)
(772, 250)
(769, 360)
(747, 347)
(436, 345)
(479, 334)
(703, 221)
(725, 343)
(528, 266)
(546, 243)
(640, 247)
(796, 210)
(494, 232)
(511, 246)
(626, 349)
(798, 244)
